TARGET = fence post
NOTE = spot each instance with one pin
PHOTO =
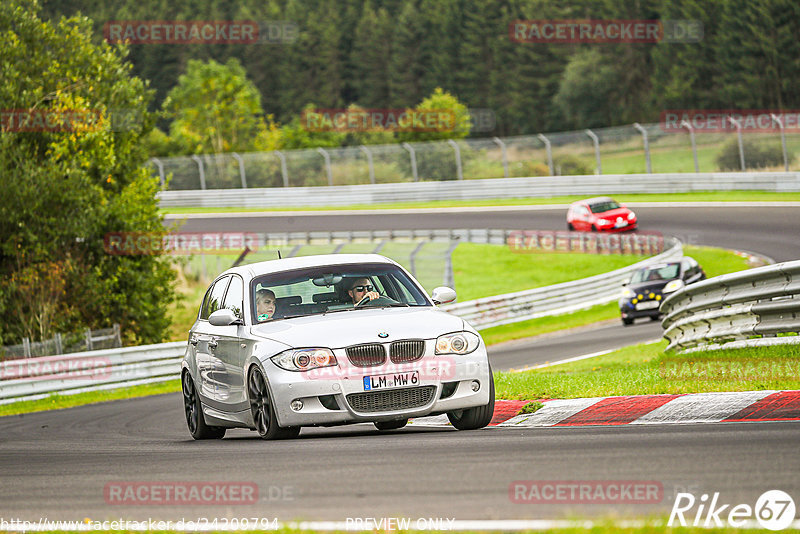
(160, 166)
(505, 155)
(117, 335)
(284, 170)
(327, 164)
(26, 347)
(241, 169)
(369, 162)
(449, 278)
(89, 339)
(783, 141)
(646, 146)
(413, 256)
(549, 150)
(689, 127)
(596, 143)
(201, 170)
(413, 161)
(59, 344)
(459, 171)
(739, 136)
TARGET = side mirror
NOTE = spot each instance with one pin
(224, 317)
(443, 295)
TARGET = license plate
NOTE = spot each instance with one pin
(649, 305)
(394, 380)
(620, 224)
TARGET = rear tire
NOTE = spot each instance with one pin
(390, 425)
(627, 322)
(263, 411)
(194, 412)
(475, 418)
(594, 228)
(570, 227)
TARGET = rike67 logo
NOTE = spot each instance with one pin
(774, 510)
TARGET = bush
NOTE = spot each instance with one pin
(756, 155)
(569, 165)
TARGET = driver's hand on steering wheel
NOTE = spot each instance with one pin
(371, 295)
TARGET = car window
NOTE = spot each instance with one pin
(234, 296)
(213, 300)
(324, 289)
(656, 273)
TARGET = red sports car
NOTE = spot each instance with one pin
(601, 214)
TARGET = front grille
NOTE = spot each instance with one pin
(406, 351)
(366, 355)
(391, 400)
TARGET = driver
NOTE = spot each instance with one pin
(362, 289)
(265, 304)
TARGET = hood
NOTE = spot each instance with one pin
(646, 287)
(613, 214)
(352, 327)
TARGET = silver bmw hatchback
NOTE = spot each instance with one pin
(330, 340)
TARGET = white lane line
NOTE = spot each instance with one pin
(577, 358)
(554, 412)
(701, 407)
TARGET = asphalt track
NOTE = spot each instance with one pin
(57, 464)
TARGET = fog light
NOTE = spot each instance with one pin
(296, 405)
(475, 385)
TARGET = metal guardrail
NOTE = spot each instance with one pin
(749, 308)
(37, 378)
(542, 186)
(555, 299)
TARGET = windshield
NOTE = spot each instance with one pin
(331, 288)
(601, 207)
(656, 273)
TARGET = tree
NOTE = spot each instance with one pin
(216, 109)
(67, 185)
(586, 93)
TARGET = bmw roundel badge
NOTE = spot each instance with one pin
(383, 335)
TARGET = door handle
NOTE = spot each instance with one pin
(193, 340)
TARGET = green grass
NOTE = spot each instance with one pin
(708, 196)
(57, 402)
(487, 270)
(647, 369)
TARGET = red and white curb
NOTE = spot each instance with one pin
(687, 408)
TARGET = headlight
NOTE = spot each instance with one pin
(631, 215)
(304, 359)
(603, 221)
(628, 293)
(457, 343)
(673, 286)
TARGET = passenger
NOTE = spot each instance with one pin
(362, 289)
(265, 305)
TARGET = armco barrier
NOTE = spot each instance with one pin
(541, 186)
(37, 378)
(554, 299)
(748, 308)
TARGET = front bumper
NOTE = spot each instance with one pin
(445, 384)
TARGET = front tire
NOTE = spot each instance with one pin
(627, 322)
(474, 418)
(194, 412)
(570, 227)
(264, 412)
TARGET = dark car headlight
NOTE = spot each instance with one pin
(304, 359)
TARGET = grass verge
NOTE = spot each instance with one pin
(702, 196)
(648, 370)
(57, 402)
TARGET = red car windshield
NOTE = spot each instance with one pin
(601, 207)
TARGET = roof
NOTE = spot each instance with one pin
(288, 264)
